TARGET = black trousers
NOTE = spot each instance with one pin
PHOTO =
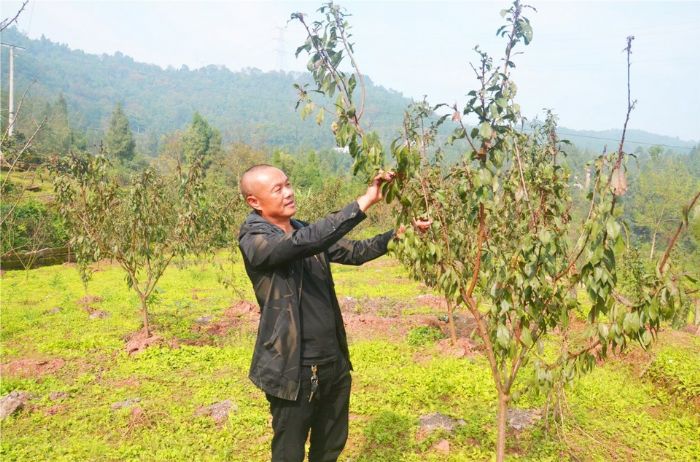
(326, 416)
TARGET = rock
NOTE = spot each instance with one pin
(520, 419)
(98, 314)
(56, 395)
(442, 446)
(12, 402)
(218, 411)
(204, 319)
(437, 421)
(126, 403)
(54, 310)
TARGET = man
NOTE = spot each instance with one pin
(301, 359)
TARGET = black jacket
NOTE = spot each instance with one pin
(273, 261)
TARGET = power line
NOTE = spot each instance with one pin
(628, 141)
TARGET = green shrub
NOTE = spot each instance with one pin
(423, 335)
(678, 370)
(387, 436)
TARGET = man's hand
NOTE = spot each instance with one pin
(374, 190)
(419, 225)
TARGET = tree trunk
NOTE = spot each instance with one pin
(696, 319)
(653, 245)
(144, 313)
(451, 322)
(502, 413)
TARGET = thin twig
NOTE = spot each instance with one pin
(7, 22)
(662, 264)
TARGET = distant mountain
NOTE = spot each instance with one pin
(594, 140)
(250, 106)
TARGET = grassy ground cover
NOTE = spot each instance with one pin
(93, 402)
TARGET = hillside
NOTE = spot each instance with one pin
(251, 106)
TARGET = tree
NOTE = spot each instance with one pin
(236, 158)
(57, 136)
(664, 184)
(498, 246)
(201, 141)
(119, 141)
(143, 226)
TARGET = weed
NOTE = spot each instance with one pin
(423, 335)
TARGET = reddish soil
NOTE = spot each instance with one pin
(29, 368)
(90, 299)
(243, 315)
(128, 382)
(139, 341)
(56, 409)
(87, 303)
(434, 301)
(691, 329)
(464, 347)
(366, 318)
(635, 357)
(137, 419)
(371, 326)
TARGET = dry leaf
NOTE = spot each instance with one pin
(619, 182)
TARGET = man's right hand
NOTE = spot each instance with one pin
(374, 191)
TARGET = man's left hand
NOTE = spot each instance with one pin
(420, 225)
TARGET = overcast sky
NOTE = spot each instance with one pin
(574, 65)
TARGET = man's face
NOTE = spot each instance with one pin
(272, 195)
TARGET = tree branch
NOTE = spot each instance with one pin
(7, 22)
(682, 224)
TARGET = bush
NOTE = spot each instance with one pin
(423, 335)
(31, 226)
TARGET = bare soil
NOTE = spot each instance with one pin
(30, 368)
(139, 341)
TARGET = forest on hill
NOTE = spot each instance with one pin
(249, 106)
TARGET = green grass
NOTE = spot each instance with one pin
(678, 369)
(614, 414)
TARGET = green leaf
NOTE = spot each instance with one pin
(631, 323)
(503, 336)
(612, 227)
(485, 130)
(320, 116)
(307, 110)
(525, 30)
(526, 337)
(603, 331)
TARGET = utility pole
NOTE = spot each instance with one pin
(11, 99)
